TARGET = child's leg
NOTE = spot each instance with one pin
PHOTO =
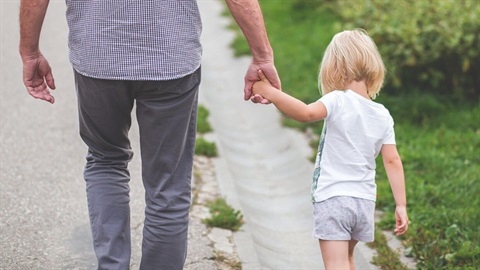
(335, 254)
(351, 247)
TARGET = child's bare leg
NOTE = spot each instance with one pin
(351, 247)
(335, 254)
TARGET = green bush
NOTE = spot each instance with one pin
(205, 148)
(224, 216)
(428, 45)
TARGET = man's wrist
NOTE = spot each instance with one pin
(29, 53)
(263, 55)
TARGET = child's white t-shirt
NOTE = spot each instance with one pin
(353, 134)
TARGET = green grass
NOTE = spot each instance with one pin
(441, 162)
(385, 256)
(202, 146)
(437, 137)
(203, 126)
(205, 148)
(224, 216)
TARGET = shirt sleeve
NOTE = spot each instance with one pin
(330, 101)
(389, 137)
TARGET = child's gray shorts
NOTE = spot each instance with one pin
(344, 218)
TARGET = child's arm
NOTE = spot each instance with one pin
(292, 107)
(393, 166)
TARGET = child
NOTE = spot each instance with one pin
(355, 131)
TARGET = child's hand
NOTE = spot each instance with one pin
(263, 86)
(401, 219)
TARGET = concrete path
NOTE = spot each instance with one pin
(43, 216)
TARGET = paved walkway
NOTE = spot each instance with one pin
(262, 169)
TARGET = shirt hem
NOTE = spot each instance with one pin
(317, 199)
(136, 78)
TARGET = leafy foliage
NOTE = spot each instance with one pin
(429, 45)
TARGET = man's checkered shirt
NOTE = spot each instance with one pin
(134, 39)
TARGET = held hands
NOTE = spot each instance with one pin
(262, 87)
(252, 76)
(401, 218)
(38, 78)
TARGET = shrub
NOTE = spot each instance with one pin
(429, 45)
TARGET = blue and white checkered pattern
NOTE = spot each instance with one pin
(134, 39)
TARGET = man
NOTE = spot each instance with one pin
(146, 52)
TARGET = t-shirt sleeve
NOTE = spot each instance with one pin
(330, 101)
(389, 137)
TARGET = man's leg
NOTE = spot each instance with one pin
(104, 113)
(167, 113)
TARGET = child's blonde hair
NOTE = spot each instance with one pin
(351, 56)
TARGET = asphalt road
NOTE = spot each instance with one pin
(43, 210)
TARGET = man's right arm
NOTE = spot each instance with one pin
(248, 15)
(32, 13)
(37, 74)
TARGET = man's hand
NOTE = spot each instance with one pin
(251, 77)
(38, 78)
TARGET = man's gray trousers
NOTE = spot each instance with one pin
(166, 113)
